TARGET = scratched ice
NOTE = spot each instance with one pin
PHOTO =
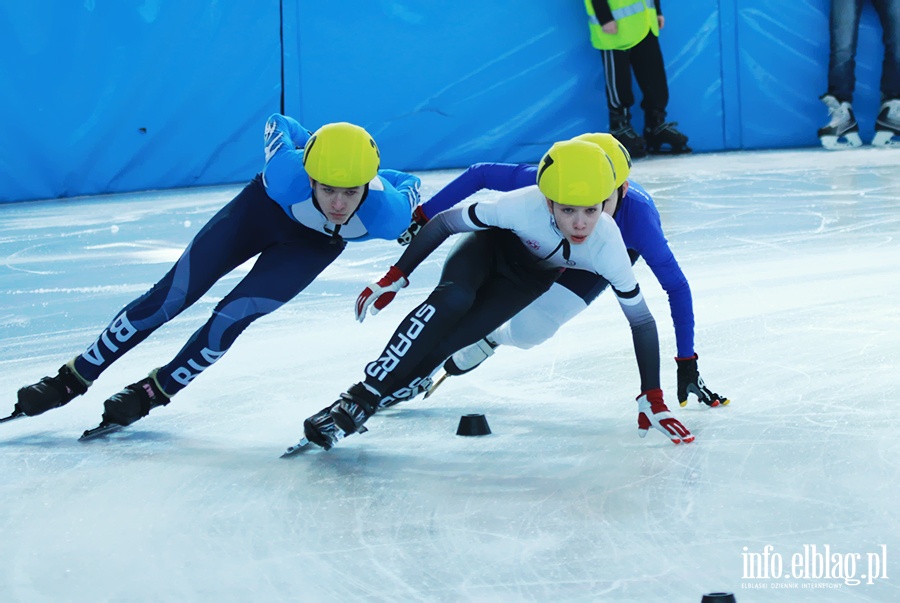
(794, 263)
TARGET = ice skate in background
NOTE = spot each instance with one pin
(842, 132)
(887, 126)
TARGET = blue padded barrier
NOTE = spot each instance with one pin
(102, 97)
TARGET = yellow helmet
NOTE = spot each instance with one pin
(341, 154)
(617, 152)
(576, 172)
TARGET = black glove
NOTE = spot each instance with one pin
(690, 382)
(418, 221)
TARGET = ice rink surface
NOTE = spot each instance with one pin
(794, 263)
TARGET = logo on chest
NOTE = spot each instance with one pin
(533, 244)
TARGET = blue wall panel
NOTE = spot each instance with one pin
(122, 95)
(692, 48)
(100, 97)
(443, 86)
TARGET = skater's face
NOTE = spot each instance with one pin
(337, 203)
(575, 222)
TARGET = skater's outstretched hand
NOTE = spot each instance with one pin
(690, 382)
(652, 412)
(419, 219)
(380, 294)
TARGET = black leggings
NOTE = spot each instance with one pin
(289, 257)
(646, 61)
(489, 276)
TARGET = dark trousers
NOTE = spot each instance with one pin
(290, 256)
(646, 61)
(844, 25)
(489, 276)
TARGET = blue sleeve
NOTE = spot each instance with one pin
(386, 213)
(284, 177)
(494, 176)
(641, 227)
(404, 183)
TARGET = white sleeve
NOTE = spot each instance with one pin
(511, 211)
(612, 261)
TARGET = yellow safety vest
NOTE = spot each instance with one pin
(634, 19)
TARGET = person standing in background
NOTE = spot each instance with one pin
(842, 131)
(626, 32)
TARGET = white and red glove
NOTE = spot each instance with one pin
(381, 293)
(652, 412)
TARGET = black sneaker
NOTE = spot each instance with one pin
(51, 392)
(134, 402)
(631, 140)
(354, 408)
(665, 138)
(620, 127)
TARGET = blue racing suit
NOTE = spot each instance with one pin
(275, 218)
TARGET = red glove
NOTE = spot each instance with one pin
(381, 293)
(652, 411)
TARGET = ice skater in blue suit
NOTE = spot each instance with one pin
(316, 193)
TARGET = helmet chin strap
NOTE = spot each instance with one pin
(335, 234)
(564, 243)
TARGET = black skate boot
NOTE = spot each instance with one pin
(842, 132)
(51, 392)
(660, 134)
(321, 430)
(354, 408)
(620, 127)
(887, 126)
(134, 402)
